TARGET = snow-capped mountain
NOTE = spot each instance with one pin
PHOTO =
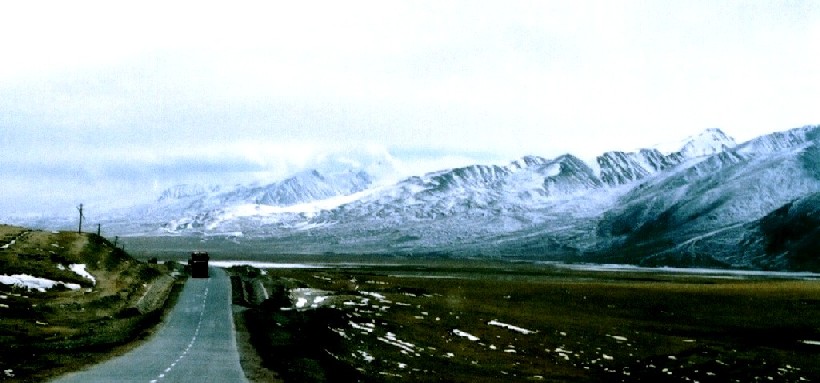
(304, 187)
(201, 209)
(698, 204)
(182, 191)
(618, 168)
(702, 210)
(708, 142)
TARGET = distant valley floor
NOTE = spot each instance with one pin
(486, 321)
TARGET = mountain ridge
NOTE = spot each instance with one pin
(699, 204)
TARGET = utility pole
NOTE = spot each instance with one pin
(80, 228)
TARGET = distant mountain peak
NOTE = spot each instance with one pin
(710, 141)
(528, 161)
(181, 191)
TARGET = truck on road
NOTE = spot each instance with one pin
(198, 262)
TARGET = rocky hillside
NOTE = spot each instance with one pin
(721, 210)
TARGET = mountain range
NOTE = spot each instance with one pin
(706, 201)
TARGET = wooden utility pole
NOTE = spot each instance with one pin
(80, 228)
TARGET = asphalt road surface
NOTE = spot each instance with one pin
(196, 343)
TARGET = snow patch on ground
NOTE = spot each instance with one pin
(391, 339)
(510, 327)
(301, 302)
(465, 335)
(308, 298)
(79, 269)
(366, 356)
(34, 283)
(374, 295)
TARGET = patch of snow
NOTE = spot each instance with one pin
(811, 342)
(563, 355)
(301, 302)
(465, 335)
(367, 357)
(308, 208)
(391, 339)
(619, 338)
(374, 295)
(510, 327)
(368, 327)
(318, 300)
(30, 282)
(79, 269)
(706, 143)
(553, 170)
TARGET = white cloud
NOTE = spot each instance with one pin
(261, 88)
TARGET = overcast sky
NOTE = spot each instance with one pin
(129, 97)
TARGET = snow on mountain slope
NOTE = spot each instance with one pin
(476, 191)
(708, 142)
(726, 190)
(619, 168)
(295, 198)
(690, 204)
(779, 141)
(306, 187)
(178, 192)
(787, 238)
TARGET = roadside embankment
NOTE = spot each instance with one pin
(68, 300)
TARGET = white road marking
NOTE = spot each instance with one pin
(191, 344)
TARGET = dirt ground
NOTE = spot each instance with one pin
(474, 324)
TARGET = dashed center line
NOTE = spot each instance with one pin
(191, 344)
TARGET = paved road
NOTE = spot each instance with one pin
(195, 344)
